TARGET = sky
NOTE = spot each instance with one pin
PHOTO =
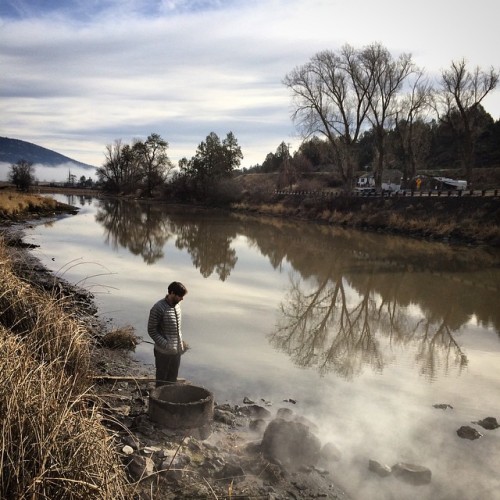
(76, 75)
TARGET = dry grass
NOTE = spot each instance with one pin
(39, 318)
(120, 338)
(53, 443)
(13, 203)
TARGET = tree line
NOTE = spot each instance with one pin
(144, 167)
(351, 96)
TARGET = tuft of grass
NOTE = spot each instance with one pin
(120, 338)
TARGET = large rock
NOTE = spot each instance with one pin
(489, 423)
(382, 470)
(290, 443)
(468, 432)
(411, 473)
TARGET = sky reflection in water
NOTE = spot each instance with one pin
(366, 332)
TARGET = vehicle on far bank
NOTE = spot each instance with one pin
(447, 183)
(391, 183)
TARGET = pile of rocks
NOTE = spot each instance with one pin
(250, 452)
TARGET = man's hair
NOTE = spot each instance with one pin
(177, 288)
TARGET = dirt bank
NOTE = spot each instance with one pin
(464, 220)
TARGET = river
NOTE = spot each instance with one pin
(361, 333)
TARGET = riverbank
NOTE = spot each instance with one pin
(108, 400)
(462, 220)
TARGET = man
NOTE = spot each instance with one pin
(164, 327)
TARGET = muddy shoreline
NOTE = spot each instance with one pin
(229, 463)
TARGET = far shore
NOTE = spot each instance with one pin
(464, 220)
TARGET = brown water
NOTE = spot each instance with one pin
(365, 332)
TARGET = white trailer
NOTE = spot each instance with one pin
(366, 183)
(459, 185)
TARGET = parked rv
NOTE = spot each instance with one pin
(390, 182)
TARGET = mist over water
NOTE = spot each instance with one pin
(365, 332)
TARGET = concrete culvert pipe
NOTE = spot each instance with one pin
(181, 406)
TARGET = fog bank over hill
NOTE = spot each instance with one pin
(50, 166)
(56, 173)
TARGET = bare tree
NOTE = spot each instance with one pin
(459, 95)
(331, 98)
(385, 77)
(412, 132)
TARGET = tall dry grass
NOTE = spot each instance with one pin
(40, 320)
(53, 444)
(13, 203)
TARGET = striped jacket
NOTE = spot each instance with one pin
(164, 327)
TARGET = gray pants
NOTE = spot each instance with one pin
(167, 367)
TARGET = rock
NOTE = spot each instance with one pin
(290, 400)
(443, 406)
(225, 417)
(381, 469)
(142, 424)
(230, 473)
(248, 401)
(290, 443)
(467, 432)
(128, 450)
(489, 423)
(284, 413)
(412, 474)
(149, 450)
(140, 467)
(253, 447)
(257, 425)
(131, 441)
(330, 453)
(256, 411)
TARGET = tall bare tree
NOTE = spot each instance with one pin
(412, 133)
(331, 98)
(120, 171)
(460, 93)
(385, 77)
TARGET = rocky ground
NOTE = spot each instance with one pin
(248, 450)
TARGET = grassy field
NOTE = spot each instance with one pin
(13, 203)
(15, 206)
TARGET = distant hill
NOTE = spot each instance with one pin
(13, 150)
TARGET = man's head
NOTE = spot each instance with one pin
(176, 292)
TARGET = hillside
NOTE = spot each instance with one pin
(13, 150)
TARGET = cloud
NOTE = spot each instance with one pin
(84, 73)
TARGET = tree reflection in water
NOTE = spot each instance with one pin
(144, 229)
(338, 329)
(209, 247)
